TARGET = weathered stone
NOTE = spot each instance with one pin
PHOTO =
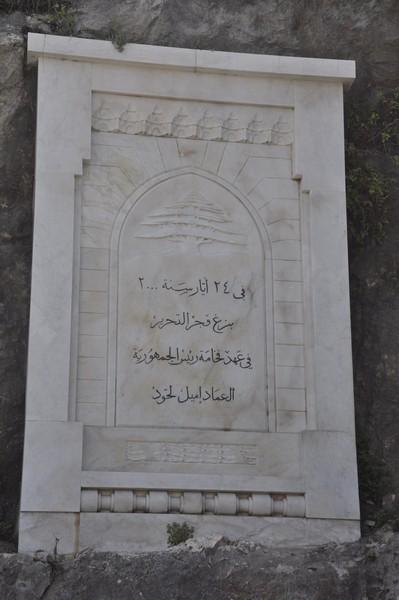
(22, 577)
(17, 90)
(367, 32)
(208, 542)
(242, 571)
(216, 420)
(364, 30)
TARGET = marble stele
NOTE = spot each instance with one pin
(189, 351)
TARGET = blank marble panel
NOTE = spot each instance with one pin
(281, 208)
(291, 399)
(121, 181)
(39, 531)
(286, 250)
(288, 333)
(292, 356)
(130, 163)
(287, 291)
(330, 473)
(92, 368)
(285, 229)
(93, 281)
(88, 390)
(192, 152)
(271, 190)
(98, 216)
(236, 156)
(93, 302)
(57, 448)
(147, 152)
(92, 345)
(94, 258)
(101, 196)
(287, 270)
(288, 312)
(255, 168)
(213, 156)
(93, 324)
(290, 421)
(170, 153)
(92, 237)
(91, 413)
(290, 377)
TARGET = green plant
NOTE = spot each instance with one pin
(116, 34)
(369, 554)
(371, 136)
(26, 6)
(178, 533)
(62, 17)
(380, 517)
(55, 562)
(32, 6)
(6, 531)
(367, 194)
(374, 474)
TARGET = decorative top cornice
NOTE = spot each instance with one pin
(183, 125)
(187, 59)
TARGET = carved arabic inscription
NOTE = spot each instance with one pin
(191, 453)
(191, 318)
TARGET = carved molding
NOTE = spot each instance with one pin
(172, 452)
(193, 503)
(183, 125)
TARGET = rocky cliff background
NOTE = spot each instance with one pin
(363, 30)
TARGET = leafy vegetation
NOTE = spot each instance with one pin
(29, 6)
(61, 15)
(370, 138)
(62, 18)
(6, 531)
(367, 194)
(369, 554)
(378, 130)
(178, 533)
(374, 474)
(116, 35)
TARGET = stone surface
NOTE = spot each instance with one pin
(363, 30)
(331, 30)
(210, 568)
(52, 467)
(17, 88)
(23, 578)
(180, 277)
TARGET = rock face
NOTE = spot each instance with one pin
(207, 571)
(364, 30)
(17, 92)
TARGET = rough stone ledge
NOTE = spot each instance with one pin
(210, 568)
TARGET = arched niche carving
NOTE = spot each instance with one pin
(191, 327)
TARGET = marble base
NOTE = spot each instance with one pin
(147, 532)
(47, 531)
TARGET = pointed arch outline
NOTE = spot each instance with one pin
(269, 348)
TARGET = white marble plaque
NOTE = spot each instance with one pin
(189, 355)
